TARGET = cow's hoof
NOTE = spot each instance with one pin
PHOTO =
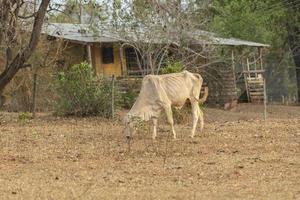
(128, 137)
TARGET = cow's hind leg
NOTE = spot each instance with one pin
(154, 120)
(196, 114)
(169, 114)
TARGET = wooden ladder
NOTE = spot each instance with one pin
(256, 89)
(254, 80)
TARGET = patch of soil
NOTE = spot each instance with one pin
(238, 156)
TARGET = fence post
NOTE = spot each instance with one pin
(113, 97)
(282, 99)
(34, 95)
(265, 100)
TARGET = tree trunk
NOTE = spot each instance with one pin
(19, 60)
(294, 38)
(294, 43)
(4, 12)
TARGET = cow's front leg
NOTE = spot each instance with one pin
(195, 113)
(154, 120)
(169, 114)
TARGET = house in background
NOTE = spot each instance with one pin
(102, 50)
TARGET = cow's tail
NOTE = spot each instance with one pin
(204, 98)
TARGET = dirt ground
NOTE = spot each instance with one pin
(238, 156)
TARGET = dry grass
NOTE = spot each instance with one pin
(238, 156)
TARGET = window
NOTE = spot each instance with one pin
(132, 64)
(107, 55)
(131, 59)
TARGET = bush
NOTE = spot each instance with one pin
(172, 67)
(132, 92)
(81, 93)
(24, 117)
(128, 98)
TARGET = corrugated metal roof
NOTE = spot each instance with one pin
(79, 33)
(82, 33)
(201, 37)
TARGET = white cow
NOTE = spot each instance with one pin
(159, 93)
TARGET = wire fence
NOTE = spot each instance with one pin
(36, 92)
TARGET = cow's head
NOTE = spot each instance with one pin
(129, 126)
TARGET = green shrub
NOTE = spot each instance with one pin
(24, 117)
(172, 67)
(132, 92)
(128, 98)
(81, 93)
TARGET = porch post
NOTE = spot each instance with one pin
(89, 54)
(121, 61)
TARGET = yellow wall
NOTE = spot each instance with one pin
(114, 68)
(96, 59)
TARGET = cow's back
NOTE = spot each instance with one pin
(181, 86)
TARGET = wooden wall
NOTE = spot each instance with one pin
(221, 84)
(76, 53)
(114, 68)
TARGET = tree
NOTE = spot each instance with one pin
(15, 18)
(265, 22)
(78, 11)
(293, 30)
